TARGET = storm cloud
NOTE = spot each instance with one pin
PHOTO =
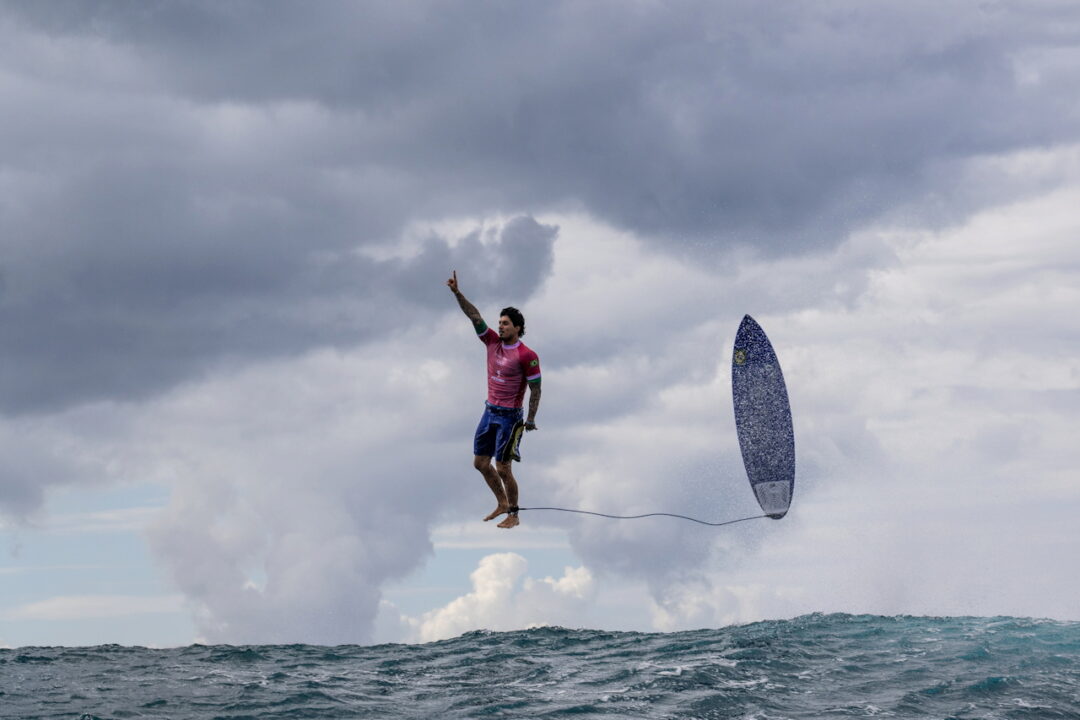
(185, 183)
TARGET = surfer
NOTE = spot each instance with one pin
(510, 367)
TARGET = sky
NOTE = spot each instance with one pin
(237, 398)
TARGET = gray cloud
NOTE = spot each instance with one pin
(36, 460)
(772, 124)
(131, 318)
(189, 182)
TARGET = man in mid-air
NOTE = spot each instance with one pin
(510, 367)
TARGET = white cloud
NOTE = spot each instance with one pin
(636, 418)
(90, 607)
(306, 485)
(502, 600)
(474, 535)
(931, 376)
(134, 519)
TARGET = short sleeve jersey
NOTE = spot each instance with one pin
(509, 369)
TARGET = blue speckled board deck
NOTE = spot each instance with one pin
(763, 419)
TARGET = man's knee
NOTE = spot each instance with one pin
(504, 468)
(481, 462)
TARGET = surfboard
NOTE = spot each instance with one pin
(763, 419)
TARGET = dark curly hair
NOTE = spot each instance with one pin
(516, 318)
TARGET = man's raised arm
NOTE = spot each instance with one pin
(466, 307)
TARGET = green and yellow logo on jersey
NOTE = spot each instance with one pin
(534, 363)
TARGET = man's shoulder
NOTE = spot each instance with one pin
(528, 356)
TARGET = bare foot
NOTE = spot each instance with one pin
(509, 522)
(497, 512)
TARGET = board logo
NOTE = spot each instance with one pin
(740, 356)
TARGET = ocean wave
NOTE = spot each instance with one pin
(814, 666)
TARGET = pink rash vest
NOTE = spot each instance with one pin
(509, 367)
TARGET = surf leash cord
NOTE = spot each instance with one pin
(635, 517)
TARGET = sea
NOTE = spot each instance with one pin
(815, 666)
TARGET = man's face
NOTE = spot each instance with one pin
(507, 331)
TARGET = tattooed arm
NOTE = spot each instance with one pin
(466, 307)
(534, 404)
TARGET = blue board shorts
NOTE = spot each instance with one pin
(499, 433)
